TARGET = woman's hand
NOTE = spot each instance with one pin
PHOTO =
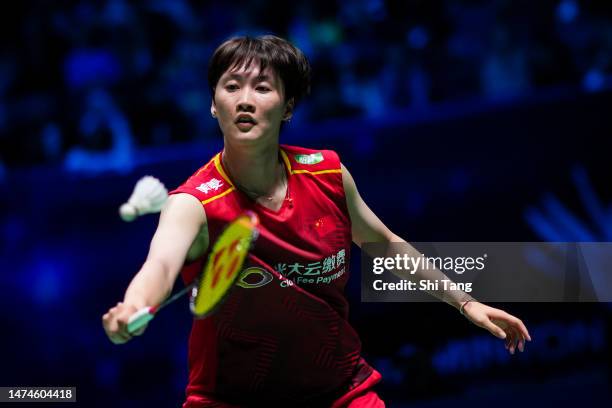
(115, 323)
(499, 323)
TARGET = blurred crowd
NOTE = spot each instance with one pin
(83, 83)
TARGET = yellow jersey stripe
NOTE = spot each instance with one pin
(226, 192)
(286, 160)
(205, 166)
(217, 160)
(317, 172)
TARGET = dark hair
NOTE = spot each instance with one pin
(286, 59)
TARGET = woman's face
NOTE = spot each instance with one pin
(250, 104)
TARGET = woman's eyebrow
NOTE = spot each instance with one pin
(262, 77)
(233, 75)
(258, 78)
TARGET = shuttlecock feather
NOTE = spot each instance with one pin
(148, 197)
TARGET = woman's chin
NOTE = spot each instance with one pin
(251, 136)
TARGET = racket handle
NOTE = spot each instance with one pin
(140, 318)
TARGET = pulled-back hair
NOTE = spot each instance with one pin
(268, 50)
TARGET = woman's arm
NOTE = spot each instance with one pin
(180, 224)
(367, 227)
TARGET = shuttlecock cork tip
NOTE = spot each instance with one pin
(128, 212)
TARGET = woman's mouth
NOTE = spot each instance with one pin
(245, 126)
(245, 122)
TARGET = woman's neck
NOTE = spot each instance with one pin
(253, 170)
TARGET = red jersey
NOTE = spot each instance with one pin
(282, 337)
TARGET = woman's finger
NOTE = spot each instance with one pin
(494, 329)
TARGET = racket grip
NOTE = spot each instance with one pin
(140, 318)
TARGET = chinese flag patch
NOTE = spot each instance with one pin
(323, 226)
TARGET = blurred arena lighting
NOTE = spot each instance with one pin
(418, 37)
(567, 11)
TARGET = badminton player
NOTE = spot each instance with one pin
(282, 337)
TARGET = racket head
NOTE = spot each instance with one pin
(224, 264)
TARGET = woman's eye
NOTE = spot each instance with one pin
(263, 88)
(231, 87)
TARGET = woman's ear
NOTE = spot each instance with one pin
(213, 111)
(289, 110)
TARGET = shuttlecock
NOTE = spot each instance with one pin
(148, 197)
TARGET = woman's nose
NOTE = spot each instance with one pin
(245, 102)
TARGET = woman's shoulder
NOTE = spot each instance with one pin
(301, 159)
